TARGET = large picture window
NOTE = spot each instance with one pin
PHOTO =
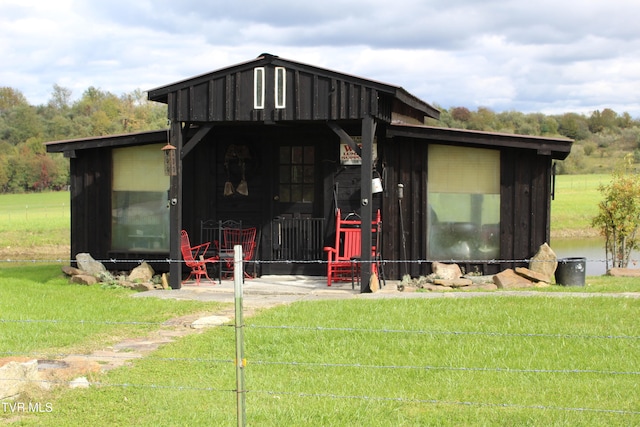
(139, 215)
(464, 203)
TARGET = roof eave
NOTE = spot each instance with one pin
(557, 148)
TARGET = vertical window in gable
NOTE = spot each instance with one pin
(281, 87)
(258, 88)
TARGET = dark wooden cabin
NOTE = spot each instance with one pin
(289, 133)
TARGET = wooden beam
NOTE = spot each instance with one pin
(345, 137)
(176, 136)
(200, 134)
(368, 132)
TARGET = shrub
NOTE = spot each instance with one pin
(619, 215)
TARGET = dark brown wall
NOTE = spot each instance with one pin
(91, 202)
(525, 202)
(525, 195)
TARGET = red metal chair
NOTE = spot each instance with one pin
(246, 238)
(194, 258)
(343, 259)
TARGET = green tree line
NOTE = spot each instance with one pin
(603, 138)
(24, 163)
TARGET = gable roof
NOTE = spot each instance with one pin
(312, 93)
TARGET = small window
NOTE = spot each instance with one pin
(281, 86)
(258, 88)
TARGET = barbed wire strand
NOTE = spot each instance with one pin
(337, 396)
(339, 329)
(288, 261)
(125, 357)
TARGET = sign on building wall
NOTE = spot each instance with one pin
(349, 157)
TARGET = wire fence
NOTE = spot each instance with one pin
(356, 366)
(252, 330)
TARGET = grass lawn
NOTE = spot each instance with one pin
(575, 204)
(446, 362)
(41, 312)
(35, 226)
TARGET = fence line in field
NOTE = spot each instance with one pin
(324, 365)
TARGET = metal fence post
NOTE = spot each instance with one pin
(238, 276)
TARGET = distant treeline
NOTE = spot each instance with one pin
(602, 137)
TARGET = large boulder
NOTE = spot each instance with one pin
(446, 271)
(534, 276)
(544, 262)
(509, 279)
(89, 265)
(142, 273)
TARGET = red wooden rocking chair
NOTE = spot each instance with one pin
(343, 259)
(194, 258)
(245, 237)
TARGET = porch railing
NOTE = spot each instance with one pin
(297, 239)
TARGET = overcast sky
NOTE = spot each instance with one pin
(549, 56)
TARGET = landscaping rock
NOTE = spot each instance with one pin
(544, 262)
(71, 271)
(481, 287)
(508, 279)
(84, 279)
(534, 276)
(623, 272)
(142, 273)
(137, 286)
(480, 280)
(446, 271)
(453, 283)
(210, 321)
(15, 377)
(436, 288)
(89, 265)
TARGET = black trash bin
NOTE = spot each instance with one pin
(571, 271)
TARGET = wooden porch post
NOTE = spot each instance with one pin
(175, 209)
(368, 130)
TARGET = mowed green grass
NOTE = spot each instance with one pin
(576, 204)
(447, 362)
(41, 312)
(35, 219)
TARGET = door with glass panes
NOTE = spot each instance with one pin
(297, 226)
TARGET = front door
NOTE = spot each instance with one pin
(297, 226)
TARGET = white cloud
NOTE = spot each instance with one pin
(546, 56)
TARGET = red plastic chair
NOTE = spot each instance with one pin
(194, 258)
(343, 259)
(246, 238)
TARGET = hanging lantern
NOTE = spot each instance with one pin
(170, 164)
(376, 183)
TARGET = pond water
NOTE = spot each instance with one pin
(592, 249)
